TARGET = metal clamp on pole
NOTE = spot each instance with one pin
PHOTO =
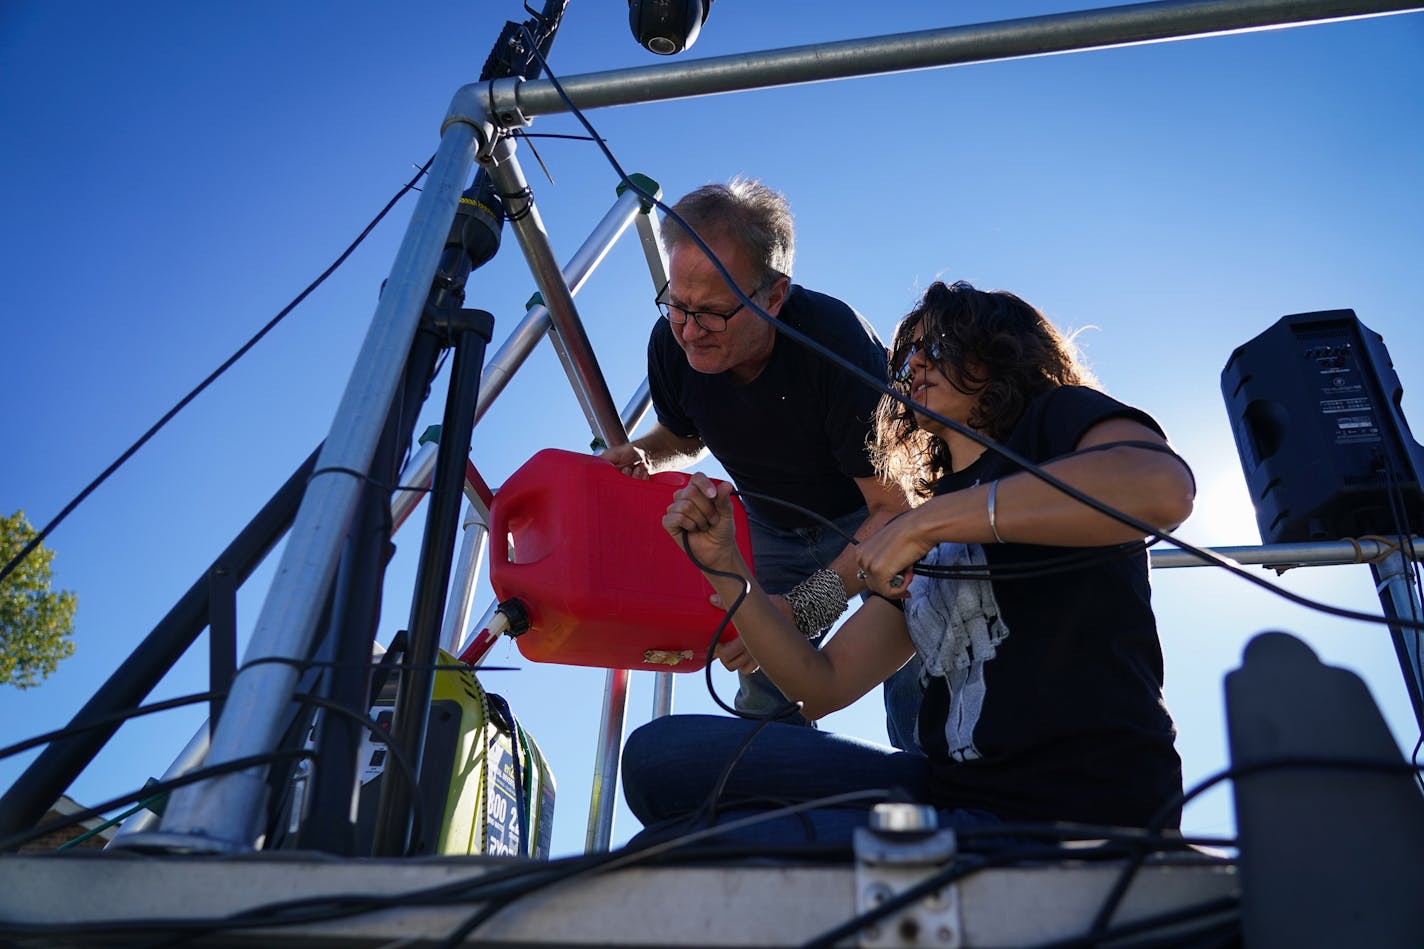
(895, 853)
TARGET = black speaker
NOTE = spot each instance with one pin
(1314, 407)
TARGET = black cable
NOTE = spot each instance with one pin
(309, 909)
(1008, 454)
(211, 378)
(1031, 569)
(1227, 907)
(1003, 450)
(1414, 760)
(648, 853)
(520, 133)
(1399, 516)
(1064, 832)
(962, 868)
(709, 807)
(192, 777)
(1076, 560)
(109, 719)
(418, 818)
(1014, 570)
(911, 894)
(508, 884)
(1178, 801)
(394, 666)
(162, 787)
(788, 708)
(362, 476)
(626, 857)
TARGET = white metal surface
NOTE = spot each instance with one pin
(665, 906)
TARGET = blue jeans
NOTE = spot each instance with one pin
(786, 556)
(671, 766)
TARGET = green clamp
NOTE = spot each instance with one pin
(646, 185)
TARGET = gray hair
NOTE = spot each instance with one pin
(757, 218)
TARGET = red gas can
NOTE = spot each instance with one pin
(602, 582)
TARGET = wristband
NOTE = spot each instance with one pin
(817, 602)
(993, 496)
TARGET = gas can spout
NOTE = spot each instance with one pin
(509, 617)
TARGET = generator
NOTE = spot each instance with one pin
(485, 786)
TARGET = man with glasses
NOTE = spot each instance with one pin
(789, 426)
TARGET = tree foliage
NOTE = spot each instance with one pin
(35, 623)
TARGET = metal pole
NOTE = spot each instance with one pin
(515, 102)
(652, 249)
(483, 626)
(417, 680)
(462, 588)
(222, 814)
(592, 391)
(656, 256)
(1394, 582)
(416, 475)
(615, 707)
(324, 811)
(189, 759)
(1389, 562)
(574, 348)
(1315, 553)
(520, 343)
(605, 762)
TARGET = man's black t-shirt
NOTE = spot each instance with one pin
(1044, 694)
(797, 431)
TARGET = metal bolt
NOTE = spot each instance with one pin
(903, 818)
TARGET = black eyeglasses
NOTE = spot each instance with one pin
(710, 321)
(935, 351)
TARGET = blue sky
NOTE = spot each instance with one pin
(173, 173)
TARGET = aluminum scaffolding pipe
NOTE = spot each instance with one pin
(603, 794)
(570, 340)
(474, 532)
(592, 391)
(1312, 553)
(223, 813)
(516, 101)
(520, 343)
(656, 257)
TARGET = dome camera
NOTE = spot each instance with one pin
(666, 27)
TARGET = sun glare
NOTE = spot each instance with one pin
(1223, 515)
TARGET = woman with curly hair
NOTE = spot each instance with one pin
(1027, 609)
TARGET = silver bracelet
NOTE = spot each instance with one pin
(817, 602)
(993, 496)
